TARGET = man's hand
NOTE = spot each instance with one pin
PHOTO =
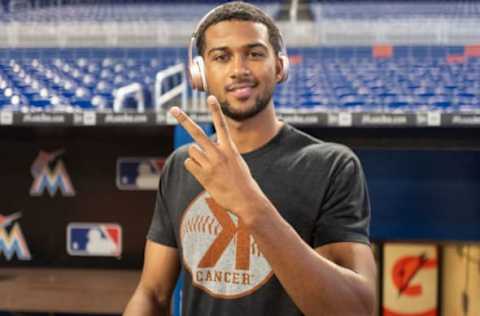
(219, 167)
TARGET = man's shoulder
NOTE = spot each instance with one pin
(180, 152)
(176, 159)
(310, 146)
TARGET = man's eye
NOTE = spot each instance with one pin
(257, 54)
(220, 58)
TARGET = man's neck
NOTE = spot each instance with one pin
(255, 132)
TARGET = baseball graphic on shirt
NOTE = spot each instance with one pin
(219, 252)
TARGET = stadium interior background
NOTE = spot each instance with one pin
(84, 88)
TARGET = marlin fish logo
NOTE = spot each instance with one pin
(46, 179)
(13, 242)
(6, 221)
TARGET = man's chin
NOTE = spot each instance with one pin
(244, 114)
(238, 116)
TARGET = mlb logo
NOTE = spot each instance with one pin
(141, 174)
(94, 239)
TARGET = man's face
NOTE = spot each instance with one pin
(241, 67)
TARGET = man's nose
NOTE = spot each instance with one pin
(239, 67)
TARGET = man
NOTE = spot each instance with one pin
(264, 219)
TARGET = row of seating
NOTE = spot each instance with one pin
(82, 83)
(384, 10)
(182, 11)
(409, 79)
(113, 12)
(65, 82)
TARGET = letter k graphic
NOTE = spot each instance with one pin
(229, 231)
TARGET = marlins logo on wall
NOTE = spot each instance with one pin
(139, 173)
(221, 255)
(12, 242)
(94, 239)
(410, 280)
(49, 176)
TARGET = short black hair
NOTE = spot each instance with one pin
(242, 11)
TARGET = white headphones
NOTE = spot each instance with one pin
(196, 65)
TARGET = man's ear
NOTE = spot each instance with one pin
(278, 69)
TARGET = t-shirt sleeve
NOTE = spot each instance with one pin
(161, 227)
(345, 211)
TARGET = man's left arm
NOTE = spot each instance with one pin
(334, 279)
(337, 276)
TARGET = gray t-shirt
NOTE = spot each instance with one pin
(318, 187)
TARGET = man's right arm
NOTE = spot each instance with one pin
(159, 275)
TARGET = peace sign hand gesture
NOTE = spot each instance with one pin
(218, 166)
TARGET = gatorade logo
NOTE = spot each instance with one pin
(219, 252)
(410, 284)
(405, 271)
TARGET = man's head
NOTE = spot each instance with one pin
(240, 46)
(239, 11)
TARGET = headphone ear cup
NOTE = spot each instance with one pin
(197, 74)
(285, 66)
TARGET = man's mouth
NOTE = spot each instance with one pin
(241, 90)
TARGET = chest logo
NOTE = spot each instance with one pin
(219, 252)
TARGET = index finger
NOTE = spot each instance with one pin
(192, 128)
(219, 121)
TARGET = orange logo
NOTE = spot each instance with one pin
(229, 230)
(405, 270)
(410, 283)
